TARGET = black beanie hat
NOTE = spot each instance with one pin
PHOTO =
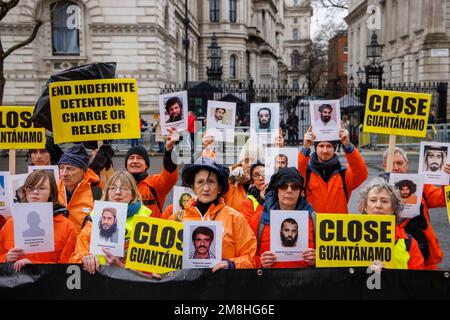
(139, 150)
(76, 156)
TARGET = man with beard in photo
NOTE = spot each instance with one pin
(289, 233)
(264, 118)
(434, 158)
(325, 116)
(407, 188)
(174, 108)
(108, 226)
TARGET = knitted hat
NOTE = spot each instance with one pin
(76, 156)
(222, 172)
(139, 150)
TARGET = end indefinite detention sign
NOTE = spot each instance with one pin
(91, 110)
(397, 113)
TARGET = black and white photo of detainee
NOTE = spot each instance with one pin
(281, 161)
(219, 116)
(174, 108)
(33, 220)
(202, 238)
(289, 233)
(264, 117)
(434, 158)
(108, 226)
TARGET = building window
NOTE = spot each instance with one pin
(214, 10)
(295, 2)
(295, 84)
(295, 34)
(295, 20)
(295, 58)
(65, 28)
(346, 47)
(233, 67)
(233, 16)
(346, 68)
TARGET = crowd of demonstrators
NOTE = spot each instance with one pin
(209, 181)
(420, 226)
(378, 197)
(328, 184)
(121, 187)
(153, 188)
(40, 186)
(283, 193)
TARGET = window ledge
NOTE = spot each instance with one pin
(65, 58)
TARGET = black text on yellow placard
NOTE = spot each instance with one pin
(17, 131)
(354, 240)
(94, 110)
(397, 113)
(156, 245)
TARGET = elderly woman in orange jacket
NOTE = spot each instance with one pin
(40, 186)
(209, 181)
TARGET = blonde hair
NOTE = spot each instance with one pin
(127, 180)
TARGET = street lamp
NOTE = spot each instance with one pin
(374, 70)
(214, 55)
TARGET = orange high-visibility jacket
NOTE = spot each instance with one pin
(415, 261)
(250, 208)
(65, 237)
(330, 197)
(82, 201)
(238, 240)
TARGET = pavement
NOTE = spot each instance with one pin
(439, 217)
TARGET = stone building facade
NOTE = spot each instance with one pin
(145, 38)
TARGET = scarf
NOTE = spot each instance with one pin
(272, 204)
(140, 177)
(133, 208)
(327, 168)
(204, 207)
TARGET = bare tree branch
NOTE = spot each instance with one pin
(339, 4)
(26, 41)
(5, 6)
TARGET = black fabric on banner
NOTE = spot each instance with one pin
(50, 282)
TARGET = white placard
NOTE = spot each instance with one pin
(410, 187)
(433, 157)
(275, 158)
(181, 195)
(289, 234)
(176, 115)
(33, 226)
(325, 119)
(16, 182)
(265, 122)
(202, 244)
(108, 228)
(53, 169)
(221, 118)
(5, 194)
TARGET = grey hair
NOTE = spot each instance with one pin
(380, 184)
(396, 150)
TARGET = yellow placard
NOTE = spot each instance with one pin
(354, 240)
(92, 110)
(17, 130)
(397, 113)
(156, 245)
(447, 198)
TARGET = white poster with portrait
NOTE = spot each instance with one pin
(433, 157)
(220, 121)
(33, 226)
(410, 188)
(276, 158)
(181, 196)
(16, 183)
(202, 244)
(53, 169)
(173, 111)
(325, 119)
(265, 122)
(5, 194)
(289, 234)
(108, 228)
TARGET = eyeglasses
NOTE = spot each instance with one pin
(257, 176)
(39, 189)
(294, 186)
(121, 189)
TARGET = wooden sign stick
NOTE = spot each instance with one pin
(12, 161)
(391, 151)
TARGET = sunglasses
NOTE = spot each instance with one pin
(294, 186)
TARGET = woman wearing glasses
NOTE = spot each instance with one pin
(121, 187)
(283, 193)
(40, 186)
(253, 204)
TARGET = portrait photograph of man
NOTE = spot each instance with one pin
(432, 160)
(265, 121)
(202, 238)
(173, 110)
(108, 226)
(277, 158)
(289, 233)
(410, 189)
(407, 190)
(325, 119)
(220, 122)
